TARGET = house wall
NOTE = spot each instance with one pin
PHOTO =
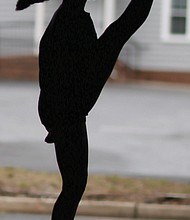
(145, 51)
(156, 55)
(16, 29)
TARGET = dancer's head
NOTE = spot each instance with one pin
(22, 4)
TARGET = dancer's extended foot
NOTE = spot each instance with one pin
(22, 4)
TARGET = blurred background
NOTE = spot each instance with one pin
(140, 126)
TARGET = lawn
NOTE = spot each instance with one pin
(16, 182)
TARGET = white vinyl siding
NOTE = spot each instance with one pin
(147, 50)
(16, 29)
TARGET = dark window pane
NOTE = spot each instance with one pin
(181, 4)
(178, 25)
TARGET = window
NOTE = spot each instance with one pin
(176, 20)
(178, 17)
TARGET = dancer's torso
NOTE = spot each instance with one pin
(67, 41)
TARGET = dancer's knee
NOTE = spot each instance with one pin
(81, 182)
(75, 183)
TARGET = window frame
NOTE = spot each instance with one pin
(166, 34)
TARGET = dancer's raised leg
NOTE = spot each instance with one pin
(102, 56)
(118, 33)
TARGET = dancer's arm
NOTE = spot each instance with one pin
(129, 22)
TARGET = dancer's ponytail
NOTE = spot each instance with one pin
(22, 4)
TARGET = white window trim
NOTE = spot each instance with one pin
(166, 36)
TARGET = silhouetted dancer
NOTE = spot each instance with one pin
(74, 66)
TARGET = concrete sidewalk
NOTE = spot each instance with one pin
(98, 208)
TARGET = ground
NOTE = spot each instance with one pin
(15, 182)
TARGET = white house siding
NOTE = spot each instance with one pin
(155, 54)
(16, 29)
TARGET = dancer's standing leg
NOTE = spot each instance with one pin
(72, 159)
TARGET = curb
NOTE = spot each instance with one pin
(97, 208)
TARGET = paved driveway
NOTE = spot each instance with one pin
(134, 129)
